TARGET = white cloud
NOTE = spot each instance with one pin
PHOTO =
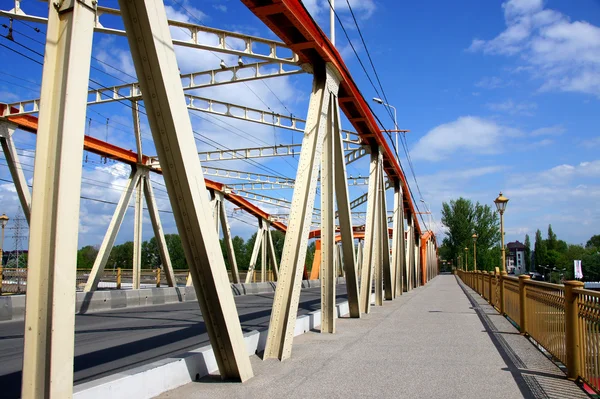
(591, 143)
(563, 54)
(513, 108)
(582, 170)
(468, 133)
(556, 130)
(492, 82)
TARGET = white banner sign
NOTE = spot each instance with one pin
(578, 271)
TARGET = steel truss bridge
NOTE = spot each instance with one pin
(395, 253)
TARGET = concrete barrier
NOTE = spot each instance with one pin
(12, 307)
(163, 375)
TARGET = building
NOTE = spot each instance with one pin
(515, 258)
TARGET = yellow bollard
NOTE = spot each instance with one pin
(157, 277)
(119, 278)
(572, 339)
(523, 303)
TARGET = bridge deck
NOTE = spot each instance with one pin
(113, 341)
(433, 342)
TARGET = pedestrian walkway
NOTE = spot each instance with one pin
(436, 341)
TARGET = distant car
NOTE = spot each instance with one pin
(536, 276)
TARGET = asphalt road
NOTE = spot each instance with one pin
(116, 340)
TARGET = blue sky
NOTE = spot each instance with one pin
(497, 96)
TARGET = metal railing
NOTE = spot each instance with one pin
(14, 280)
(562, 319)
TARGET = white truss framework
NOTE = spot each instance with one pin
(131, 91)
(258, 186)
(219, 40)
(250, 176)
(189, 81)
(363, 198)
(280, 150)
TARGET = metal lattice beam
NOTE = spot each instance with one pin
(221, 40)
(249, 176)
(280, 150)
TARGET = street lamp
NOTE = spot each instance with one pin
(466, 258)
(475, 251)
(380, 101)
(501, 202)
(3, 220)
(430, 214)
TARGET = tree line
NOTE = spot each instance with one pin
(122, 255)
(549, 256)
(554, 256)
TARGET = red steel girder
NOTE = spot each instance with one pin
(30, 123)
(290, 20)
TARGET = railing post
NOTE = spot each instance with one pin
(503, 274)
(485, 292)
(119, 278)
(1, 276)
(572, 329)
(523, 303)
(158, 277)
(490, 297)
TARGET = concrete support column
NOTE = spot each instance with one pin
(51, 275)
(155, 63)
(398, 261)
(255, 251)
(272, 257)
(159, 234)
(385, 239)
(285, 305)
(235, 274)
(137, 233)
(371, 243)
(112, 232)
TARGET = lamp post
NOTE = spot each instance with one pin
(466, 258)
(380, 101)
(475, 251)
(3, 220)
(501, 202)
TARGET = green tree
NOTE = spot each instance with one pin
(241, 256)
(540, 251)
(561, 246)
(278, 241)
(593, 242)
(121, 256)
(151, 255)
(310, 256)
(86, 257)
(462, 219)
(552, 241)
(527, 253)
(552, 257)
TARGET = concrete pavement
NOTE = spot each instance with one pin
(432, 342)
(113, 341)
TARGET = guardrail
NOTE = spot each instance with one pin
(563, 319)
(14, 280)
